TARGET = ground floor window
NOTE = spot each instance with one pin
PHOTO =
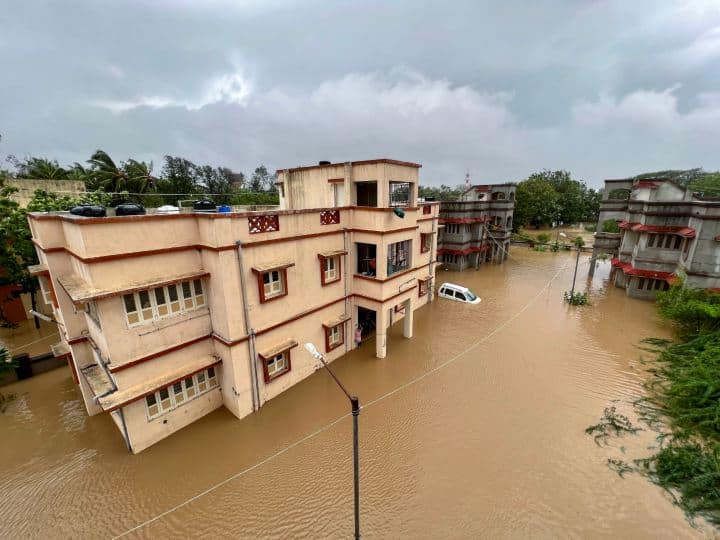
(171, 397)
(334, 336)
(648, 284)
(277, 365)
(423, 287)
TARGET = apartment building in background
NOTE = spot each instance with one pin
(664, 229)
(477, 228)
(166, 317)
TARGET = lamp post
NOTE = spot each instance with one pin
(355, 407)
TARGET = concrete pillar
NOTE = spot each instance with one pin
(408, 320)
(381, 320)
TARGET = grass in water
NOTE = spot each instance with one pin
(682, 403)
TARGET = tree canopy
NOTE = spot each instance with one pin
(549, 196)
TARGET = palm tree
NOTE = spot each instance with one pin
(77, 172)
(105, 174)
(41, 168)
(139, 176)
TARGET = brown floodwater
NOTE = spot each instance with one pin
(482, 435)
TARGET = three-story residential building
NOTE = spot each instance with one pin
(664, 229)
(477, 228)
(166, 317)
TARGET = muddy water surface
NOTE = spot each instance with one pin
(490, 445)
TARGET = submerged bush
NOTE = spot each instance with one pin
(576, 299)
(543, 238)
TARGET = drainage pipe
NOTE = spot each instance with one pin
(351, 337)
(249, 331)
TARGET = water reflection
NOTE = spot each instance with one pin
(492, 445)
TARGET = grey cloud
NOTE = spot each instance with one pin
(499, 89)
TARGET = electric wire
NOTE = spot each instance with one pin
(33, 342)
(342, 417)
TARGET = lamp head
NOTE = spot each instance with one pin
(309, 347)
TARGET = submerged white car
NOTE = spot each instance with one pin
(457, 292)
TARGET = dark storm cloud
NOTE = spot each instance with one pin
(500, 89)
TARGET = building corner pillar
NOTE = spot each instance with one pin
(408, 320)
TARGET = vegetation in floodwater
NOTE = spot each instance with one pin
(576, 299)
(555, 247)
(540, 247)
(619, 466)
(6, 365)
(611, 423)
(543, 238)
(682, 403)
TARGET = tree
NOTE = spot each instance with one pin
(262, 180)
(536, 202)
(40, 168)
(105, 174)
(443, 193)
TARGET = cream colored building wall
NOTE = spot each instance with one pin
(26, 188)
(144, 433)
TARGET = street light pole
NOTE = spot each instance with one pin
(355, 408)
(577, 260)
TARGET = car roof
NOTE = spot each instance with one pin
(455, 286)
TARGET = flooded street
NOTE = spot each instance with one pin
(474, 428)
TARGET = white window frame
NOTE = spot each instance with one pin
(200, 383)
(335, 335)
(275, 360)
(273, 287)
(331, 268)
(170, 307)
(45, 289)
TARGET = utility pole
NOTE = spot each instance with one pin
(577, 260)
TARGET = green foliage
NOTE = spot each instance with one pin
(442, 193)
(611, 423)
(540, 247)
(547, 196)
(555, 247)
(692, 311)
(576, 299)
(610, 226)
(590, 228)
(619, 194)
(522, 236)
(697, 180)
(543, 238)
(249, 198)
(579, 242)
(684, 395)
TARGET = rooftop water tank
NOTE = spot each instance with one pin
(129, 209)
(168, 209)
(88, 210)
(204, 205)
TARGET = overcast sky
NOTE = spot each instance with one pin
(498, 89)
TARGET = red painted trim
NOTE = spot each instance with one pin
(71, 365)
(328, 347)
(387, 299)
(394, 276)
(266, 375)
(261, 285)
(321, 259)
(336, 180)
(228, 342)
(142, 359)
(382, 233)
(76, 340)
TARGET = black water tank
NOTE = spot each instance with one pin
(88, 210)
(324, 163)
(204, 205)
(129, 209)
(429, 199)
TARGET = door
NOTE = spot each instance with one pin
(339, 194)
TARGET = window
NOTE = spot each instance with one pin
(46, 289)
(460, 296)
(398, 258)
(400, 308)
(427, 209)
(334, 336)
(171, 397)
(161, 302)
(329, 269)
(272, 284)
(423, 287)
(399, 193)
(425, 242)
(277, 365)
(92, 313)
